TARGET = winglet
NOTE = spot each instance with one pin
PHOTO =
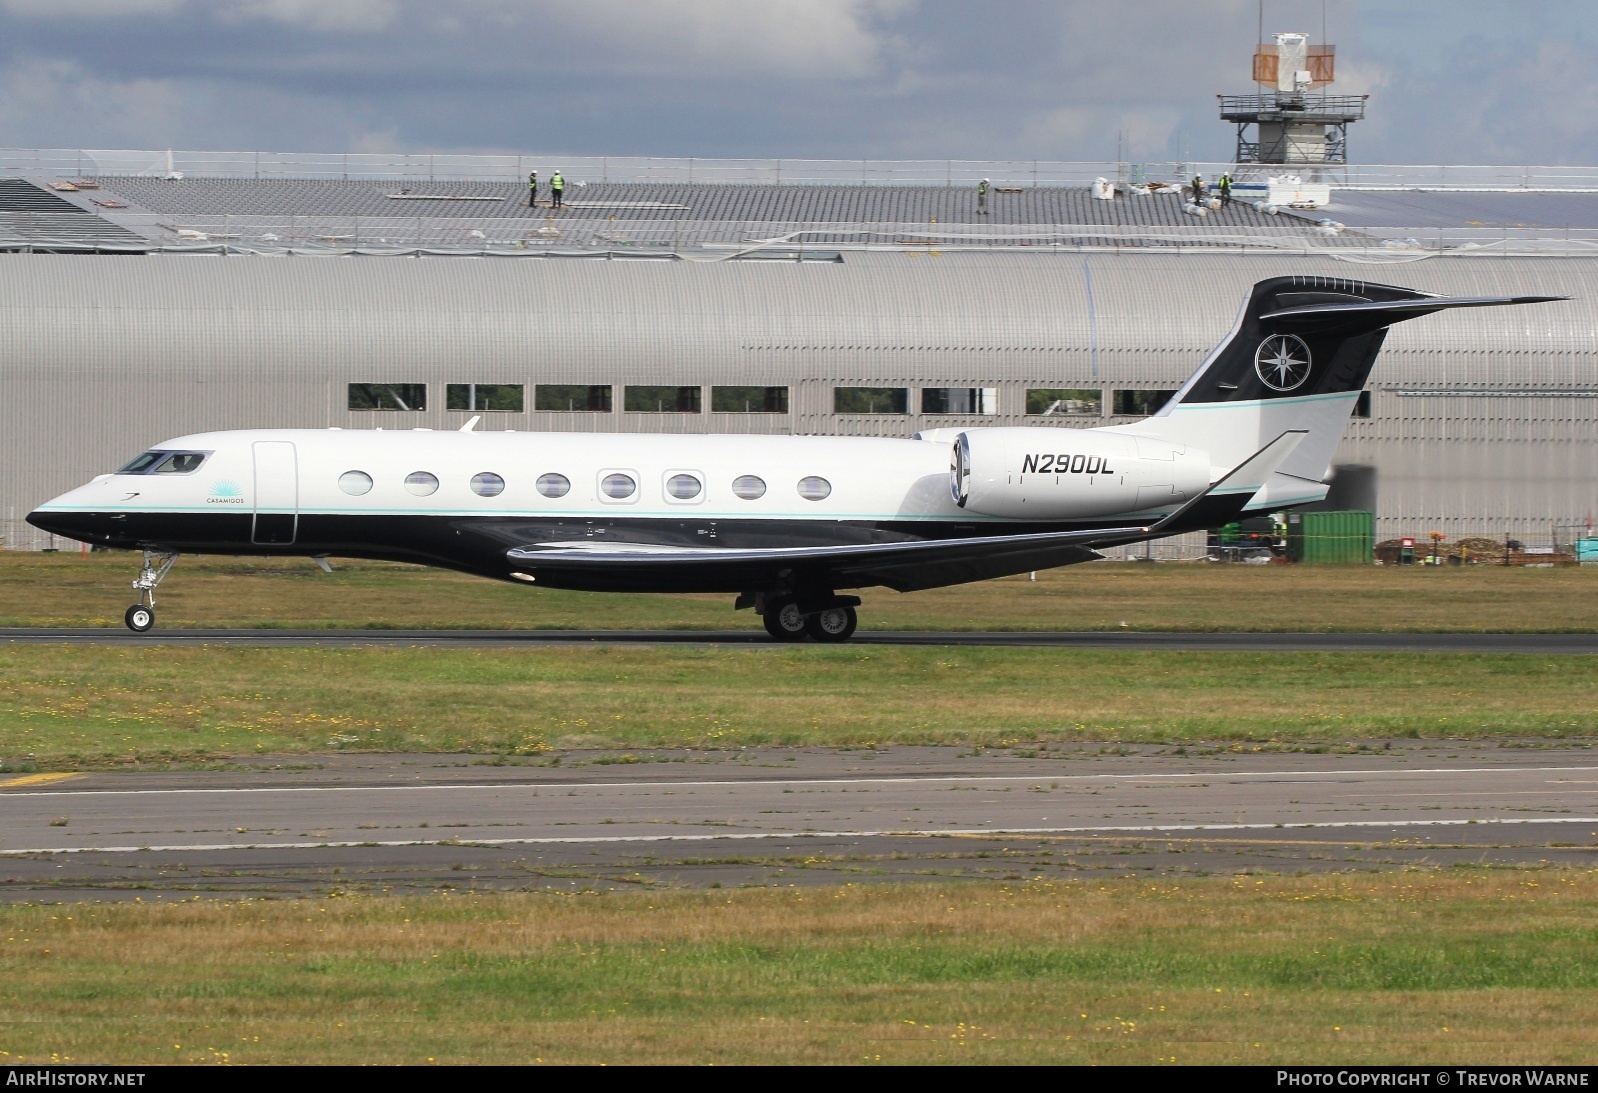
(1244, 480)
(472, 423)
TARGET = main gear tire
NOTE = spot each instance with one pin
(784, 621)
(833, 625)
(139, 618)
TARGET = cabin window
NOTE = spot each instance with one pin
(814, 489)
(959, 400)
(661, 400)
(1061, 401)
(421, 483)
(355, 483)
(683, 487)
(498, 398)
(749, 487)
(388, 396)
(574, 398)
(618, 486)
(554, 485)
(487, 484)
(1139, 403)
(870, 400)
(749, 400)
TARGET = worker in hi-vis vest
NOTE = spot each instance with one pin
(557, 187)
(982, 197)
(532, 189)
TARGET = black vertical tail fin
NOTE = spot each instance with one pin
(1304, 336)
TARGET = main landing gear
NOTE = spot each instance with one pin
(790, 619)
(141, 616)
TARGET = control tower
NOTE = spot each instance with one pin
(1290, 123)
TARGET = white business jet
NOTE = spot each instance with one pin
(781, 522)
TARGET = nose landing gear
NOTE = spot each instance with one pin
(141, 616)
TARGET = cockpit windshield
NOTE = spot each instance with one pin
(159, 462)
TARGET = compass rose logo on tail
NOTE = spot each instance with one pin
(1282, 362)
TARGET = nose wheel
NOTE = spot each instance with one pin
(157, 564)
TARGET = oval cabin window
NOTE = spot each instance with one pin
(554, 485)
(683, 487)
(355, 483)
(749, 487)
(487, 484)
(618, 486)
(814, 489)
(421, 483)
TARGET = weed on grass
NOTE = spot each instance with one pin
(67, 590)
(103, 706)
(1484, 966)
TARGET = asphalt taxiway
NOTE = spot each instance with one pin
(1376, 642)
(786, 816)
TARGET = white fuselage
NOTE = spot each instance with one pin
(766, 478)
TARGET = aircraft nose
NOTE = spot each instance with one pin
(86, 526)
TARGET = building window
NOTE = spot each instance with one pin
(814, 489)
(749, 487)
(505, 398)
(1139, 403)
(487, 484)
(572, 398)
(617, 486)
(870, 400)
(554, 485)
(1055, 401)
(1362, 405)
(355, 483)
(421, 483)
(683, 487)
(959, 400)
(661, 400)
(749, 400)
(388, 396)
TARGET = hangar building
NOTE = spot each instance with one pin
(139, 307)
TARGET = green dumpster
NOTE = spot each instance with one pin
(1331, 538)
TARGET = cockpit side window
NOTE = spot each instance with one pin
(143, 463)
(159, 462)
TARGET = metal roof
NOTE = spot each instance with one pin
(1465, 210)
(670, 201)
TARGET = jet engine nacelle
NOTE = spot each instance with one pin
(1062, 474)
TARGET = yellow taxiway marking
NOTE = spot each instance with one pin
(37, 779)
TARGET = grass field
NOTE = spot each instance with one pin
(66, 590)
(1462, 966)
(75, 706)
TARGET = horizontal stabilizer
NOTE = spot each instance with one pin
(1391, 311)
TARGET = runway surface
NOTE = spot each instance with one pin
(513, 639)
(786, 816)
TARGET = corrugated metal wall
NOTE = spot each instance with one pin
(100, 357)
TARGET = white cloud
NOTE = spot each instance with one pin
(94, 9)
(323, 15)
(825, 39)
(58, 104)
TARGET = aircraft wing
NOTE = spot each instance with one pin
(907, 565)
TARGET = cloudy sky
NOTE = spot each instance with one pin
(1451, 81)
